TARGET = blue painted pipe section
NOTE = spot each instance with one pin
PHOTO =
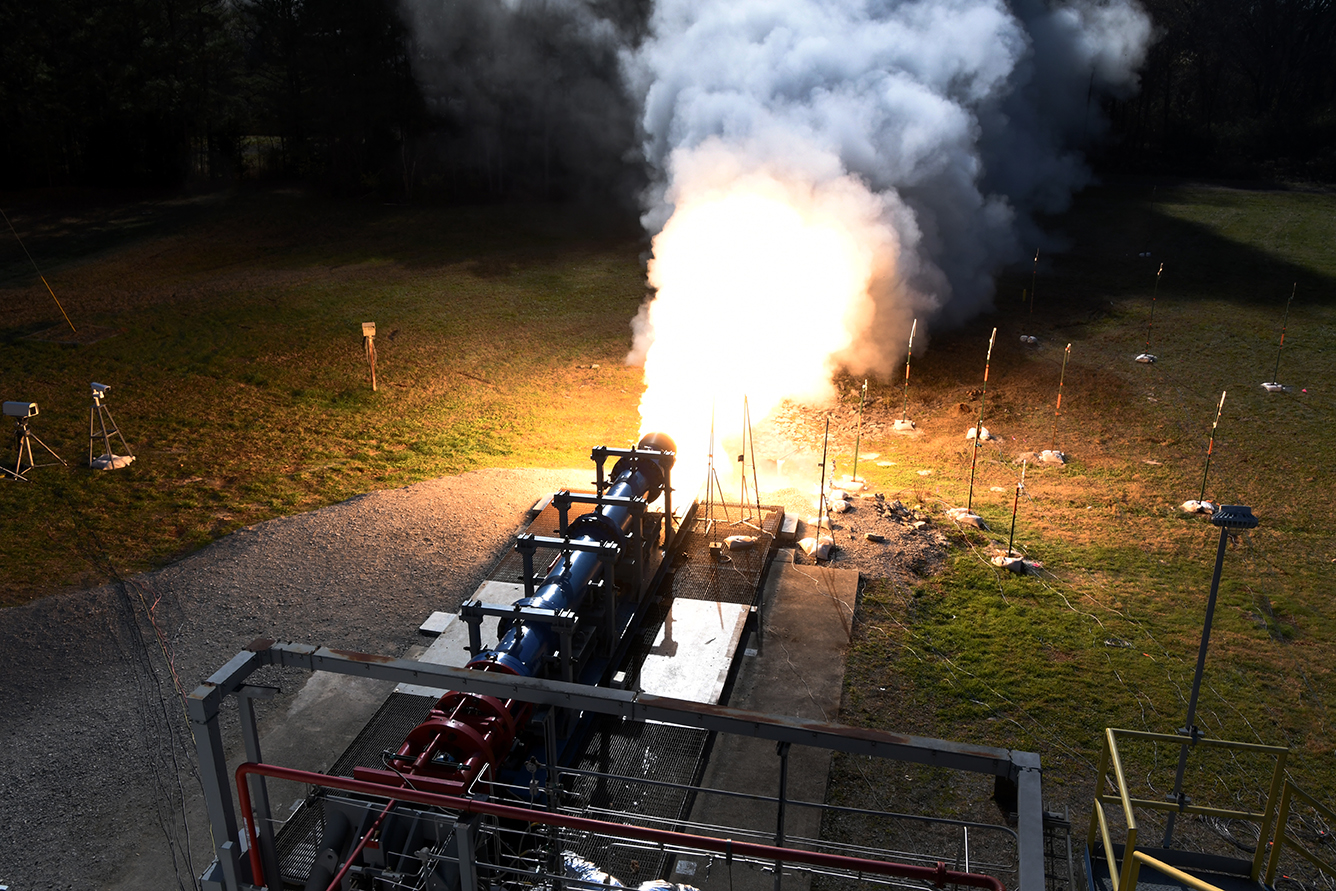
(524, 645)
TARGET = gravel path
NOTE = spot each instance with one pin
(96, 761)
(97, 773)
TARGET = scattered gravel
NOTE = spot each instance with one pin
(96, 760)
(97, 765)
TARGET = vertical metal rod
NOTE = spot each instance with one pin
(250, 736)
(1190, 729)
(978, 430)
(821, 501)
(1154, 295)
(1015, 506)
(709, 480)
(1057, 409)
(781, 749)
(756, 482)
(904, 414)
(1210, 446)
(1034, 276)
(1275, 375)
(858, 439)
(468, 869)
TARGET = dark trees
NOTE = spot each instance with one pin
(1235, 88)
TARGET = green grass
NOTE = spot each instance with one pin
(1108, 635)
(239, 380)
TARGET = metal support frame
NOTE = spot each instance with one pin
(782, 750)
(527, 543)
(250, 737)
(205, 702)
(638, 508)
(600, 454)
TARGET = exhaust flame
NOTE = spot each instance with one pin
(763, 283)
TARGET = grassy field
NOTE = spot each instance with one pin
(238, 375)
(239, 380)
(1108, 635)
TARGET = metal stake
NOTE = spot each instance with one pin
(1067, 354)
(1210, 446)
(1275, 375)
(858, 439)
(1015, 506)
(1154, 295)
(821, 501)
(904, 415)
(1033, 278)
(978, 430)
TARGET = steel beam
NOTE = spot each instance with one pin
(646, 707)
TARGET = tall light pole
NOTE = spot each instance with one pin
(1230, 517)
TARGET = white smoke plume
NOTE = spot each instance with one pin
(822, 172)
(961, 118)
(827, 171)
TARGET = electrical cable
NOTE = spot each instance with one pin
(39, 271)
(156, 723)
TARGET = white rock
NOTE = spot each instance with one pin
(818, 549)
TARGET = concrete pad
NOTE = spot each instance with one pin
(436, 623)
(694, 650)
(451, 645)
(798, 671)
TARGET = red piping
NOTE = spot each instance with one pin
(938, 875)
(334, 882)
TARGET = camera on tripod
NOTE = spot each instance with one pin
(21, 409)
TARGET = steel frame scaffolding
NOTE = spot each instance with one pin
(230, 872)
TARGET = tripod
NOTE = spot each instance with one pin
(23, 438)
(100, 416)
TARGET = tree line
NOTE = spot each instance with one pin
(159, 93)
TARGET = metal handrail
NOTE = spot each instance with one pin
(1187, 878)
(1123, 876)
(939, 876)
(1282, 838)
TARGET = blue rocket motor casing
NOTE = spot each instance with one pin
(524, 645)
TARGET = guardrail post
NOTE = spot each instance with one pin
(1277, 778)
(1100, 773)
(1278, 841)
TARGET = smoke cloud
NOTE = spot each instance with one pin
(528, 95)
(960, 118)
(815, 174)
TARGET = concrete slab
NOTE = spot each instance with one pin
(694, 649)
(451, 644)
(436, 623)
(798, 670)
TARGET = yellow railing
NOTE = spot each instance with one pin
(1283, 840)
(1123, 876)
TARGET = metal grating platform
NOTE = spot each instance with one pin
(666, 756)
(628, 752)
(734, 576)
(296, 841)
